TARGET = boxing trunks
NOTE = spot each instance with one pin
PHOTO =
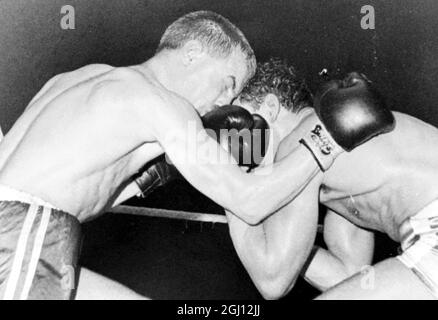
(419, 244)
(39, 247)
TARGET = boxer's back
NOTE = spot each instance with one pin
(41, 100)
(60, 148)
(387, 179)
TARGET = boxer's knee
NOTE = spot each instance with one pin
(93, 286)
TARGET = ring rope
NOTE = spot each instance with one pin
(173, 214)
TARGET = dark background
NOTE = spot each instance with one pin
(174, 259)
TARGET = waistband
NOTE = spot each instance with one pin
(424, 222)
(11, 194)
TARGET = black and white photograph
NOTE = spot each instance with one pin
(216, 150)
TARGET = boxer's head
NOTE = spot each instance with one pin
(210, 59)
(277, 94)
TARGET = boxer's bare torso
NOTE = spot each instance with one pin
(382, 182)
(72, 149)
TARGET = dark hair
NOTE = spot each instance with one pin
(276, 76)
(216, 33)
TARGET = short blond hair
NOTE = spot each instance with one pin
(217, 34)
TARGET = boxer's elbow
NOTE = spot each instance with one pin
(248, 202)
(250, 209)
(276, 278)
(275, 285)
(272, 291)
(249, 213)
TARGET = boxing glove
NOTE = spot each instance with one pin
(246, 134)
(155, 174)
(225, 124)
(350, 111)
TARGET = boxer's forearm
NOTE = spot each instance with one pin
(326, 270)
(202, 163)
(272, 187)
(257, 257)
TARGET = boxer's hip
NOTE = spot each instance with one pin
(419, 244)
(39, 247)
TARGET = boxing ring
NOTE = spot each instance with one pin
(176, 214)
(170, 214)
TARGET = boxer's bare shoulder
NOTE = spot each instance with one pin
(54, 88)
(61, 81)
(139, 95)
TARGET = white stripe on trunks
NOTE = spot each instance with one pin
(36, 252)
(20, 252)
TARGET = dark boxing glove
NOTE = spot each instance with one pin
(351, 111)
(247, 134)
(155, 174)
(247, 137)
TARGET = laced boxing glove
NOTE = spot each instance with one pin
(350, 111)
(246, 135)
(155, 174)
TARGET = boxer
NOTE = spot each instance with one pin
(236, 130)
(244, 135)
(282, 98)
(88, 131)
(386, 185)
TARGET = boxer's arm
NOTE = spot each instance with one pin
(225, 183)
(275, 251)
(153, 113)
(49, 84)
(349, 249)
(199, 159)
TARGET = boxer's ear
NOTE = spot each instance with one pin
(271, 104)
(192, 51)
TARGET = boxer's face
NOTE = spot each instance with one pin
(217, 81)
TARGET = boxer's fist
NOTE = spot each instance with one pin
(351, 111)
(245, 135)
(156, 173)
